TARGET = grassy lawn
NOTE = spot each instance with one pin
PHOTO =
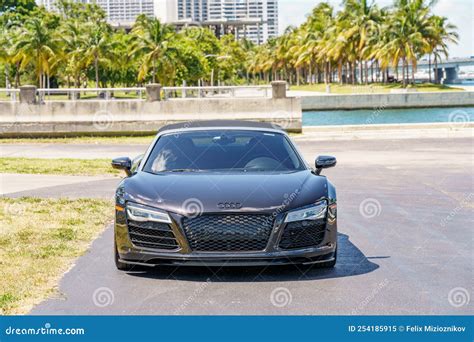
(372, 88)
(39, 240)
(129, 140)
(78, 167)
(88, 95)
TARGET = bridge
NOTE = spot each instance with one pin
(446, 69)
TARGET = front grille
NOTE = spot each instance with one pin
(229, 232)
(303, 234)
(152, 235)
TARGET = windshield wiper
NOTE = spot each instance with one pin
(184, 170)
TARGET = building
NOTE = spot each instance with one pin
(119, 12)
(256, 20)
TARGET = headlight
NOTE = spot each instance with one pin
(314, 212)
(141, 213)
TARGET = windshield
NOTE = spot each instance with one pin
(223, 150)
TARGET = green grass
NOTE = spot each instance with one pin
(78, 167)
(84, 96)
(93, 96)
(39, 240)
(372, 88)
(129, 140)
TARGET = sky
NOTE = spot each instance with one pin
(459, 13)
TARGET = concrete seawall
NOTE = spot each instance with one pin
(132, 116)
(389, 100)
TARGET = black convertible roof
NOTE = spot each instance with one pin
(219, 123)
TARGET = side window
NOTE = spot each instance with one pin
(136, 163)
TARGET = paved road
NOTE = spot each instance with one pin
(18, 185)
(78, 151)
(406, 259)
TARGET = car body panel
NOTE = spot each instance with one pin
(253, 191)
(271, 193)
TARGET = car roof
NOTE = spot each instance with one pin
(220, 124)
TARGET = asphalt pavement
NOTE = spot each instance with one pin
(405, 217)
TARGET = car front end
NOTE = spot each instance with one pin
(224, 196)
(157, 237)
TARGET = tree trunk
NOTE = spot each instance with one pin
(353, 71)
(339, 71)
(366, 68)
(96, 66)
(310, 73)
(372, 71)
(429, 67)
(436, 69)
(407, 70)
(17, 75)
(329, 72)
(403, 73)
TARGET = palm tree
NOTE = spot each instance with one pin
(152, 40)
(72, 42)
(363, 19)
(96, 45)
(315, 36)
(441, 32)
(121, 66)
(35, 44)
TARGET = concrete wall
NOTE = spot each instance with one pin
(389, 100)
(138, 116)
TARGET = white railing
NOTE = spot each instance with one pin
(217, 91)
(73, 94)
(139, 93)
(11, 94)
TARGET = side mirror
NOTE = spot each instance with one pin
(123, 163)
(323, 162)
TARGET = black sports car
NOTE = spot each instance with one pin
(224, 193)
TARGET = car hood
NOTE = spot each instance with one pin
(189, 193)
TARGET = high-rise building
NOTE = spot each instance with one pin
(119, 12)
(256, 20)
